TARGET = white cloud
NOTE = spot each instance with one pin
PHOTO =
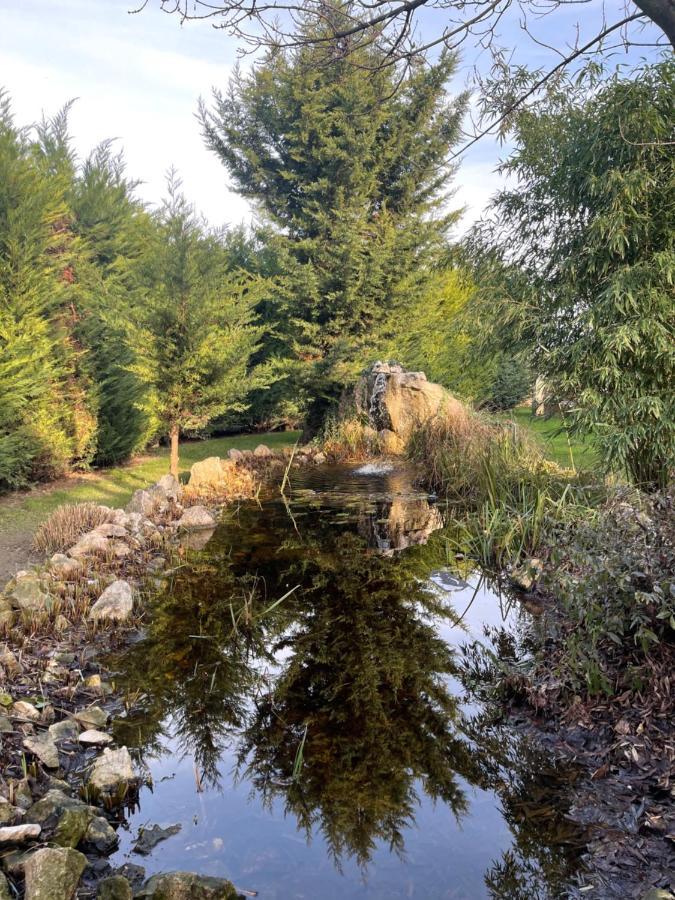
(127, 87)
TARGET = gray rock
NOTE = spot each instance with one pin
(92, 717)
(72, 826)
(64, 567)
(196, 517)
(148, 838)
(145, 502)
(43, 746)
(112, 771)
(94, 738)
(187, 886)
(102, 835)
(9, 662)
(111, 530)
(135, 522)
(320, 458)
(90, 544)
(68, 816)
(235, 455)
(114, 888)
(262, 450)
(65, 730)
(170, 487)
(58, 784)
(53, 873)
(115, 603)
(48, 810)
(22, 709)
(27, 593)
(19, 834)
(6, 726)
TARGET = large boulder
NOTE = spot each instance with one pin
(397, 401)
(53, 873)
(207, 474)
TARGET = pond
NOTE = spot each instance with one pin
(307, 703)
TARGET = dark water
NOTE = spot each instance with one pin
(339, 744)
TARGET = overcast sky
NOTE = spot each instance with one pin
(139, 77)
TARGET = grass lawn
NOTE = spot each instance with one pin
(556, 446)
(114, 486)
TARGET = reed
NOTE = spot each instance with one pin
(349, 439)
(500, 488)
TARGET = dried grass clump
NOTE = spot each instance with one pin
(349, 439)
(67, 524)
(468, 455)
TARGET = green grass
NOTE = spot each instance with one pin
(555, 443)
(114, 486)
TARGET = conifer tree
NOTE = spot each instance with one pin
(351, 175)
(118, 235)
(196, 329)
(45, 423)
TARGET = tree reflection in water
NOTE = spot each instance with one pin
(338, 701)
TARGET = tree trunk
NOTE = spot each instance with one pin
(174, 434)
(663, 13)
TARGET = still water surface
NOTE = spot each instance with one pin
(336, 744)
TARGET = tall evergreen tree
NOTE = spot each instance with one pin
(109, 227)
(45, 421)
(196, 329)
(118, 235)
(351, 176)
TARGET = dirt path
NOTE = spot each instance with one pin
(17, 528)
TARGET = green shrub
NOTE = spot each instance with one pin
(614, 573)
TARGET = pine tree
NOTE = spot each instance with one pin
(351, 175)
(197, 327)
